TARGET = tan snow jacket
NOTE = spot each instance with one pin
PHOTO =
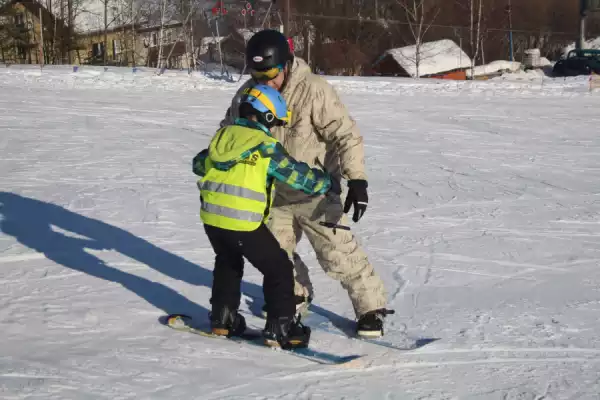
(321, 132)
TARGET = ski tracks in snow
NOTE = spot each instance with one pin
(483, 222)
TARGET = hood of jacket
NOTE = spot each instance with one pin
(235, 143)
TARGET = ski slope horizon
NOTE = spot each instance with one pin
(483, 221)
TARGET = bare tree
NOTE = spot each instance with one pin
(70, 27)
(474, 11)
(105, 50)
(349, 41)
(186, 12)
(63, 37)
(161, 34)
(127, 18)
(119, 13)
(420, 15)
(10, 36)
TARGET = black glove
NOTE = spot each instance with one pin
(357, 196)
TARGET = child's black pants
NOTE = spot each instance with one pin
(264, 252)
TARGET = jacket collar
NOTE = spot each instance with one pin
(252, 125)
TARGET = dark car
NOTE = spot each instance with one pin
(578, 62)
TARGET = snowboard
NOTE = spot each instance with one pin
(184, 323)
(322, 320)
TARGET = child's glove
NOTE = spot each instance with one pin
(199, 163)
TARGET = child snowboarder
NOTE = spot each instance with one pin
(238, 172)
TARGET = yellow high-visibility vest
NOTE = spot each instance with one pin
(239, 198)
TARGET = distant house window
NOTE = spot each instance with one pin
(211, 52)
(20, 20)
(22, 52)
(97, 49)
(116, 47)
(153, 40)
(169, 36)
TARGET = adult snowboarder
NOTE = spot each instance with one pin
(320, 133)
(238, 171)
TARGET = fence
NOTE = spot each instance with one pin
(351, 47)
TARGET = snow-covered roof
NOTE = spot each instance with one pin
(212, 39)
(206, 41)
(247, 33)
(436, 57)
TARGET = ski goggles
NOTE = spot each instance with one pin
(284, 121)
(266, 74)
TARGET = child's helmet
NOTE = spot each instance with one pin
(268, 105)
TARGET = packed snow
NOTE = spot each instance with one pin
(495, 67)
(483, 221)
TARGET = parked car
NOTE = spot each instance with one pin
(578, 62)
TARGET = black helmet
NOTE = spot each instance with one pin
(267, 49)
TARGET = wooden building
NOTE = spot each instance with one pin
(21, 31)
(442, 59)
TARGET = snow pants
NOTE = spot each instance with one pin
(338, 252)
(263, 251)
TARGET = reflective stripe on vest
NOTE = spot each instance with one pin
(232, 212)
(237, 198)
(233, 190)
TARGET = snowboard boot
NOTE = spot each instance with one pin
(370, 324)
(302, 304)
(286, 333)
(226, 322)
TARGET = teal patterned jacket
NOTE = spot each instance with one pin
(282, 166)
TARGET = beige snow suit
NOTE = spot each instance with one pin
(321, 133)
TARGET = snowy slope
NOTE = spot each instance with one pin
(484, 223)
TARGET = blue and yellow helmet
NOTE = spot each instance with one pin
(269, 103)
